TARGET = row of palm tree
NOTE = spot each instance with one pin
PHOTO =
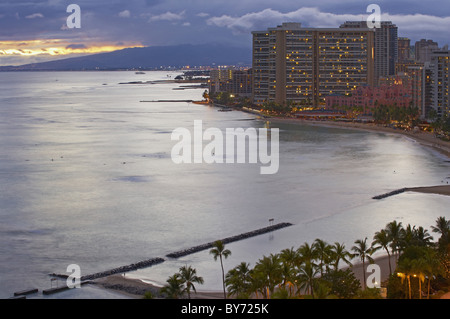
(314, 270)
(421, 258)
(289, 273)
(182, 283)
(393, 113)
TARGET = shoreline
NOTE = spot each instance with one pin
(424, 138)
(128, 285)
(438, 190)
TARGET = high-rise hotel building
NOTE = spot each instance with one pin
(385, 47)
(440, 82)
(292, 63)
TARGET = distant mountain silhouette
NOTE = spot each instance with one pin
(147, 58)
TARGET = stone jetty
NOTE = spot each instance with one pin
(118, 270)
(396, 192)
(154, 261)
(198, 248)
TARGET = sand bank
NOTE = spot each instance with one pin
(440, 190)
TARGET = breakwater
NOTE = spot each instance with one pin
(118, 270)
(154, 261)
(227, 240)
(188, 101)
(396, 192)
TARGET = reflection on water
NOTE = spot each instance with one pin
(87, 178)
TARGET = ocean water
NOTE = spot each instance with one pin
(86, 178)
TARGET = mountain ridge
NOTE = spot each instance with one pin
(147, 58)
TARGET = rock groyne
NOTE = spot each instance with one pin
(154, 261)
(227, 240)
(118, 270)
(396, 192)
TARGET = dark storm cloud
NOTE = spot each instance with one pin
(76, 46)
(158, 22)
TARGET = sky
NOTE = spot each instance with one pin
(37, 30)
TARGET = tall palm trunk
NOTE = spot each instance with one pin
(364, 273)
(223, 278)
(311, 283)
(420, 288)
(409, 286)
(389, 259)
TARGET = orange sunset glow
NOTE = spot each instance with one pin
(57, 47)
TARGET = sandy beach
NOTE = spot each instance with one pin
(441, 190)
(424, 138)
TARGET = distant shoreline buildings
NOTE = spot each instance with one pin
(350, 66)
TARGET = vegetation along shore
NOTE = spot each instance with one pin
(413, 266)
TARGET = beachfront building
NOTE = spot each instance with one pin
(304, 65)
(438, 82)
(233, 81)
(416, 75)
(219, 79)
(391, 92)
(428, 90)
(385, 47)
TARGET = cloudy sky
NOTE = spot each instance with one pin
(36, 30)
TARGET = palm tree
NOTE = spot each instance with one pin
(323, 250)
(382, 239)
(238, 280)
(394, 230)
(405, 270)
(363, 251)
(442, 227)
(432, 267)
(270, 270)
(189, 276)
(419, 266)
(338, 253)
(220, 251)
(174, 287)
(258, 281)
(306, 253)
(307, 273)
(289, 258)
(422, 237)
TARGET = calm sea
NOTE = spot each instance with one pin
(86, 178)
